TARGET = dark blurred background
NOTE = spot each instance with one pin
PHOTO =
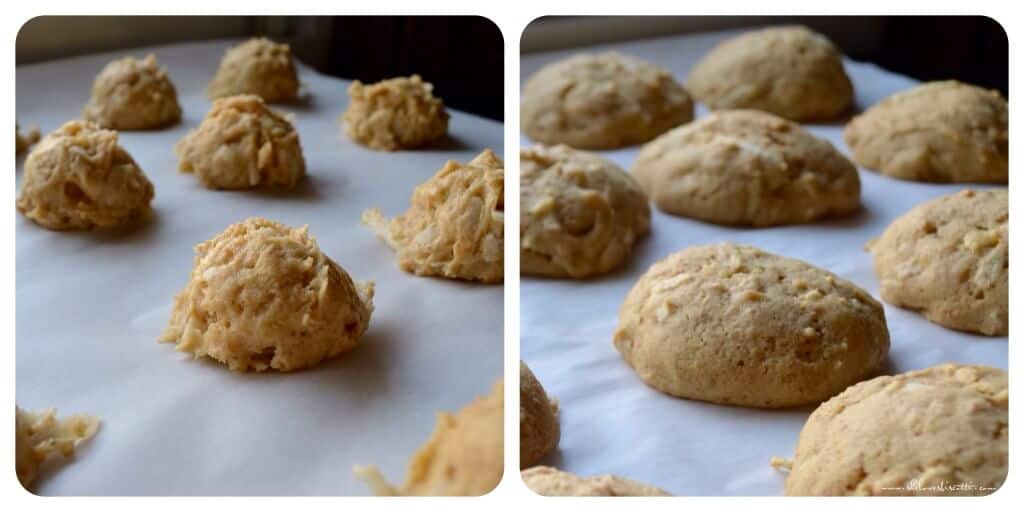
(463, 56)
(971, 49)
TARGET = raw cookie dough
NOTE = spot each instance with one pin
(538, 419)
(602, 101)
(908, 434)
(243, 144)
(39, 438)
(949, 259)
(80, 178)
(789, 71)
(262, 295)
(132, 94)
(732, 324)
(22, 142)
(947, 132)
(455, 225)
(581, 214)
(548, 481)
(463, 457)
(748, 168)
(399, 113)
(258, 66)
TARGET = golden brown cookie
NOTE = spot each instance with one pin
(40, 438)
(260, 67)
(399, 113)
(538, 419)
(132, 94)
(548, 481)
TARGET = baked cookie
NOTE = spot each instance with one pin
(538, 419)
(262, 295)
(463, 457)
(789, 71)
(455, 225)
(243, 144)
(258, 66)
(79, 178)
(941, 431)
(40, 438)
(132, 94)
(602, 101)
(732, 324)
(581, 214)
(548, 481)
(949, 259)
(22, 142)
(399, 113)
(748, 168)
(946, 132)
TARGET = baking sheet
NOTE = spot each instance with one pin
(613, 423)
(91, 305)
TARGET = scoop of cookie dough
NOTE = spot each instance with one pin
(132, 94)
(602, 101)
(949, 259)
(732, 324)
(463, 457)
(745, 167)
(789, 71)
(258, 66)
(538, 419)
(22, 142)
(399, 113)
(78, 178)
(946, 132)
(40, 438)
(941, 431)
(262, 295)
(455, 226)
(548, 481)
(581, 214)
(243, 144)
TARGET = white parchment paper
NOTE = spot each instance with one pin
(91, 305)
(612, 422)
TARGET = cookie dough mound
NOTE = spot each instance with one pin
(394, 114)
(243, 144)
(941, 431)
(455, 226)
(581, 214)
(463, 457)
(22, 142)
(946, 132)
(258, 66)
(132, 94)
(40, 438)
(732, 324)
(750, 168)
(80, 178)
(949, 259)
(538, 419)
(262, 295)
(789, 71)
(602, 101)
(548, 481)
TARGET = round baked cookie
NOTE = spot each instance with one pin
(455, 225)
(258, 66)
(581, 214)
(463, 457)
(941, 431)
(263, 296)
(132, 94)
(749, 168)
(732, 324)
(243, 144)
(399, 113)
(40, 438)
(538, 419)
(946, 132)
(548, 481)
(602, 101)
(79, 178)
(789, 71)
(949, 259)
